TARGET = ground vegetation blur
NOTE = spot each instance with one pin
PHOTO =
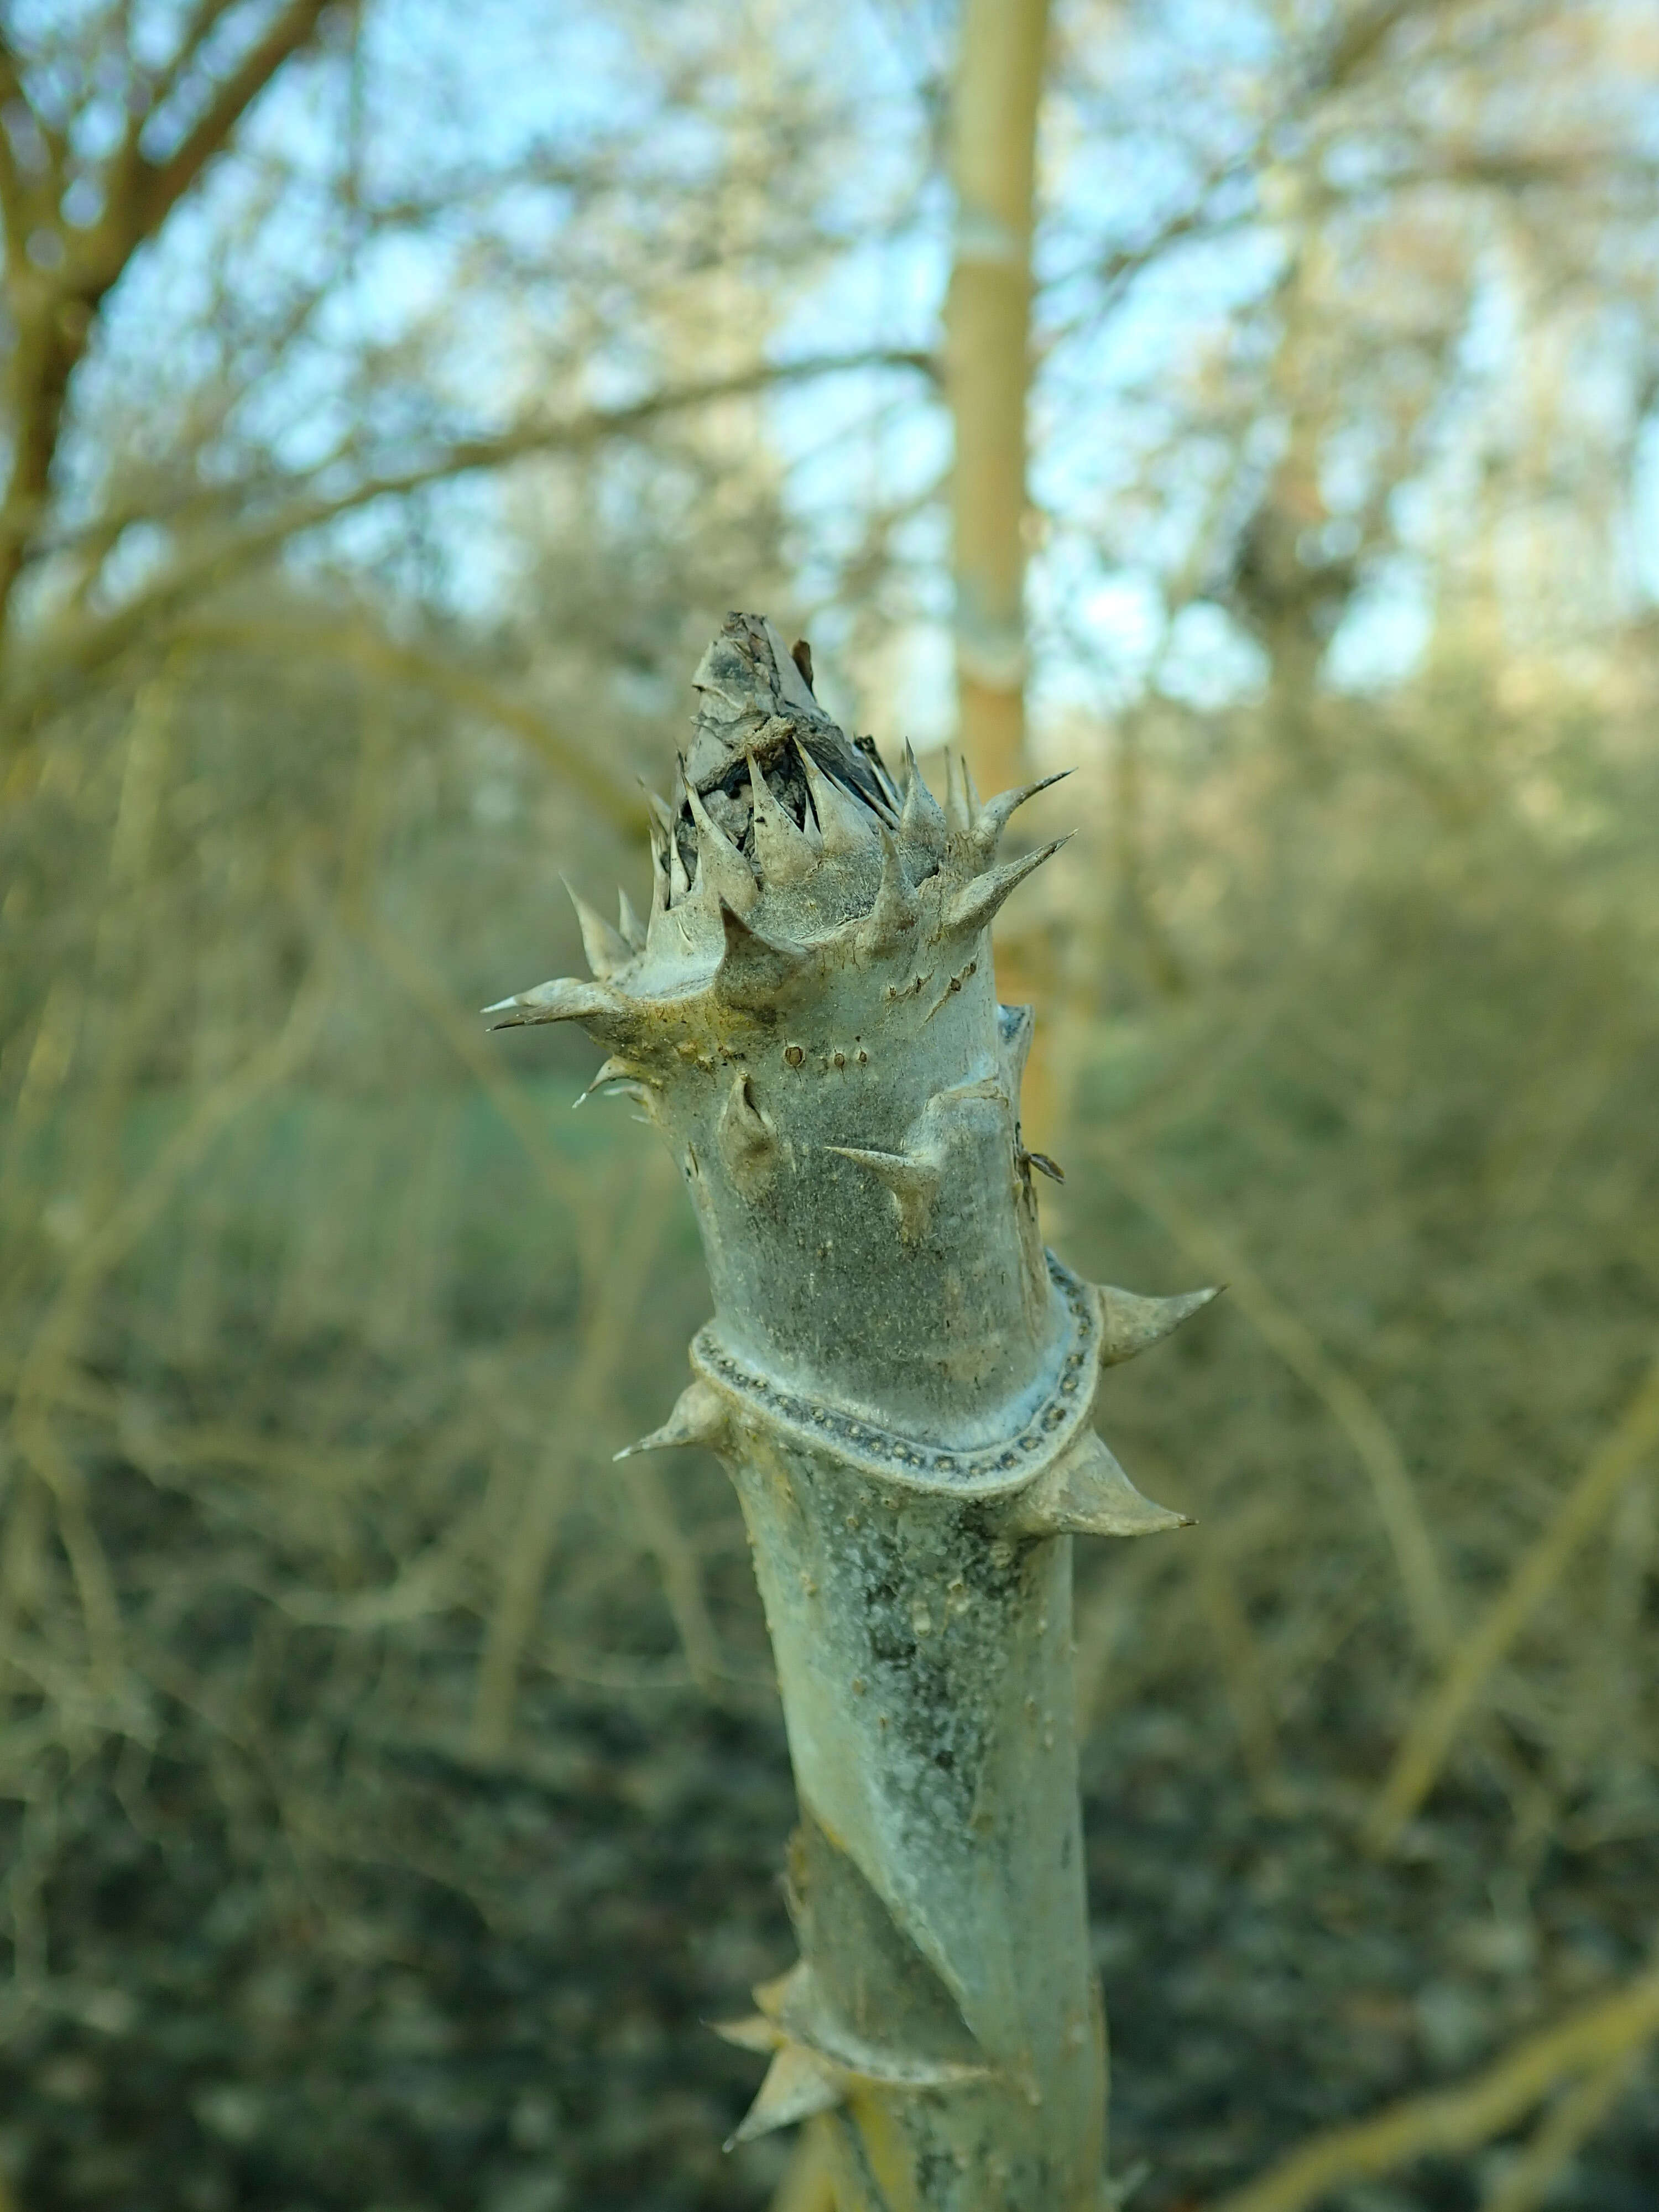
(391, 1789)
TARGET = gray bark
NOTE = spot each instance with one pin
(901, 1382)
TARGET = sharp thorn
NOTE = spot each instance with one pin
(629, 925)
(603, 1014)
(606, 949)
(781, 848)
(796, 2087)
(893, 912)
(970, 798)
(913, 1179)
(679, 880)
(756, 970)
(660, 828)
(921, 820)
(992, 818)
(1086, 1493)
(973, 906)
(698, 1418)
(957, 817)
(747, 1137)
(845, 823)
(617, 1069)
(722, 871)
(754, 2032)
(1129, 1324)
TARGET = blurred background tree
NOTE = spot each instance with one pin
(395, 398)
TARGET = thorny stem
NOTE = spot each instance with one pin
(900, 1381)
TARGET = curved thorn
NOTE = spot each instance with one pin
(970, 798)
(957, 815)
(845, 824)
(630, 927)
(893, 912)
(617, 1069)
(606, 949)
(753, 2033)
(747, 1137)
(921, 822)
(1086, 1493)
(798, 2086)
(698, 1418)
(603, 1014)
(992, 818)
(794, 2005)
(756, 970)
(679, 880)
(913, 1179)
(973, 906)
(660, 828)
(722, 871)
(1129, 1324)
(781, 846)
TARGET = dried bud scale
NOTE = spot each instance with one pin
(901, 1381)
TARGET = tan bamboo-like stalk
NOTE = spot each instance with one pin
(900, 1381)
(997, 96)
(999, 87)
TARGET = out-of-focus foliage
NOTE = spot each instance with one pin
(399, 465)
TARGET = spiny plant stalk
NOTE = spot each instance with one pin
(901, 1382)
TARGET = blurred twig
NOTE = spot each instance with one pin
(462, 1033)
(1434, 1725)
(372, 650)
(46, 1366)
(604, 1344)
(1451, 2122)
(1580, 2112)
(74, 647)
(1243, 1677)
(677, 1564)
(1373, 1440)
(1106, 1615)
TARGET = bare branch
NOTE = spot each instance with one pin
(1455, 2120)
(371, 648)
(54, 322)
(13, 200)
(204, 19)
(125, 166)
(1329, 70)
(166, 182)
(79, 648)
